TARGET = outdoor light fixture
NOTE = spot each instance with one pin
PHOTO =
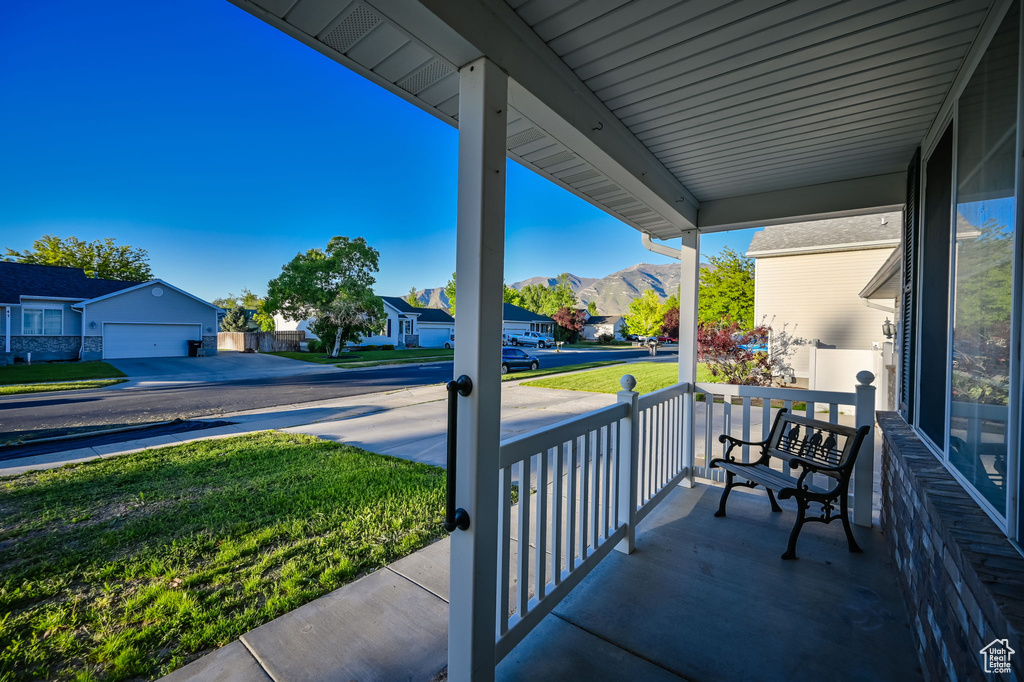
(92, 325)
(888, 328)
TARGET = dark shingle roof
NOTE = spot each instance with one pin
(834, 234)
(25, 279)
(604, 319)
(516, 314)
(425, 314)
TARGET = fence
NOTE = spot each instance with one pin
(582, 486)
(265, 342)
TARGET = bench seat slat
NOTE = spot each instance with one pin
(767, 477)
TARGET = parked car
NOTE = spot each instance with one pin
(513, 358)
(506, 339)
(533, 339)
(450, 343)
(665, 338)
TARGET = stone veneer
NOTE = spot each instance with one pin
(46, 347)
(962, 579)
(210, 344)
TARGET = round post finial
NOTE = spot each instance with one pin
(628, 382)
(865, 377)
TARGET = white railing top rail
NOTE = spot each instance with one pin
(661, 395)
(794, 394)
(518, 448)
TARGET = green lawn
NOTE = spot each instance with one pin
(369, 355)
(526, 374)
(650, 376)
(57, 372)
(132, 566)
(63, 386)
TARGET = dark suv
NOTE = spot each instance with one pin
(513, 358)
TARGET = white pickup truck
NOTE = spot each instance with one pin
(532, 339)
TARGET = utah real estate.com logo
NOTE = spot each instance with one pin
(997, 654)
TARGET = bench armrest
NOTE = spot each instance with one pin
(733, 442)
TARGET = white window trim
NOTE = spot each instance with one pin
(26, 308)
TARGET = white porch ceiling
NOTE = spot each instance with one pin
(648, 108)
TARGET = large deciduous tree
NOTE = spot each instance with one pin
(569, 324)
(645, 316)
(102, 258)
(334, 286)
(727, 290)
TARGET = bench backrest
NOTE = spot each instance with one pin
(815, 442)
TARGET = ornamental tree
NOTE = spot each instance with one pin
(235, 321)
(645, 315)
(100, 258)
(569, 324)
(332, 285)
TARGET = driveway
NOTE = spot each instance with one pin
(225, 366)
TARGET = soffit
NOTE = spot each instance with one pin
(755, 96)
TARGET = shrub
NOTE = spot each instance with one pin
(388, 346)
(315, 346)
(605, 339)
(371, 347)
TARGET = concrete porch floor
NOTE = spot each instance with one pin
(700, 599)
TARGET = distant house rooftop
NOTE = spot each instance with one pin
(821, 236)
(513, 313)
(425, 314)
(28, 280)
(604, 319)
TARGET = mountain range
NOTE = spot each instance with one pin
(611, 293)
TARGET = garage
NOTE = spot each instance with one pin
(125, 340)
(433, 337)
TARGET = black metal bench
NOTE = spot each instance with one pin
(813, 447)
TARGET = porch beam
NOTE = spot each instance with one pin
(860, 196)
(689, 264)
(479, 262)
(549, 93)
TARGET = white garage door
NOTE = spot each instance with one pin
(432, 337)
(148, 340)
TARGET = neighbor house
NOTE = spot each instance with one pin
(404, 326)
(516, 320)
(597, 325)
(58, 313)
(807, 282)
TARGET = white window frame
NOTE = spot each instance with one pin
(41, 308)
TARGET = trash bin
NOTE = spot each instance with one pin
(193, 348)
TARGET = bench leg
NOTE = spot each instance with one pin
(843, 504)
(771, 498)
(800, 511)
(725, 494)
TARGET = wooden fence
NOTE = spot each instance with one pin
(262, 341)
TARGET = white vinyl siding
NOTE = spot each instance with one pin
(817, 296)
(140, 306)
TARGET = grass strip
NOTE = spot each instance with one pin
(650, 376)
(52, 372)
(516, 375)
(404, 361)
(65, 386)
(133, 566)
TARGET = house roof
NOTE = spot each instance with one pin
(513, 313)
(424, 314)
(885, 283)
(820, 236)
(19, 280)
(604, 319)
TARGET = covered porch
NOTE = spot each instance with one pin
(680, 119)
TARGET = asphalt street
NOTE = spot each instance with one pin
(30, 416)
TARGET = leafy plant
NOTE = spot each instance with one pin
(235, 321)
(100, 258)
(735, 356)
(569, 324)
(727, 290)
(645, 316)
(605, 339)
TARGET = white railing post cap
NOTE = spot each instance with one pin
(865, 377)
(628, 382)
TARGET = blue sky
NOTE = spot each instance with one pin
(223, 147)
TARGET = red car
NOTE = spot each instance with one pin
(667, 339)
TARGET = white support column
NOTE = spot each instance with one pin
(689, 263)
(628, 464)
(864, 467)
(7, 329)
(480, 259)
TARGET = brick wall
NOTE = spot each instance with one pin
(962, 580)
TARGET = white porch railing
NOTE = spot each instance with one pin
(583, 484)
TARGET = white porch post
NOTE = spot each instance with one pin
(7, 329)
(689, 263)
(864, 467)
(479, 261)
